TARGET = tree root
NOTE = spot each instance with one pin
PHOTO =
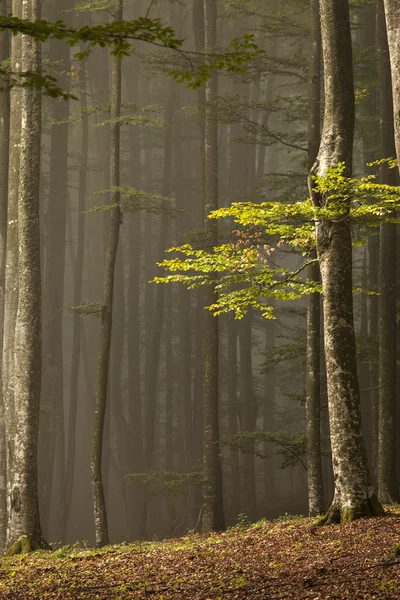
(370, 508)
(26, 544)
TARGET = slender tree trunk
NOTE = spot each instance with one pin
(99, 505)
(24, 531)
(249, 410)
(135, 417)
(51, 439)
(157, 318)
(213, 512)
(387, 470)
(354, 496)
(313, 370)
(4, 151)
(77, 319)
(232, 376)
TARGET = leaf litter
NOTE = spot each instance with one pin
(267, 560)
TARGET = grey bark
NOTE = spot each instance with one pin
(354, 495)
(99, 505)
(24, 530)
(11, 273)
(387, 470)
(4, 151)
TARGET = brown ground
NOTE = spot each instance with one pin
(286, 559)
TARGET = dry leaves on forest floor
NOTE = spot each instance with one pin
(267, 560)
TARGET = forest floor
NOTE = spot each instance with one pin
(288, 558)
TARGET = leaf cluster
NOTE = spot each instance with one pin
(244, 273)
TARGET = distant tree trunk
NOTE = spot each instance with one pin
(4, 151)
(313, 370)
(232, 376)
(99, 505)
(249, 411)
(269, 422)
(135, 416)
(387, 471)
(157, 318)
(77, 319)
(213, 512)
(51, 438)
(368, 374)
(24, 531)
(354, 496)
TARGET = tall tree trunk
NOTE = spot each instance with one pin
(4, 151)
(213, 512)
(313, 370)
(157, 318)
(77, 319)
(135, 418)
(249, 410)
(24, 530)
(354, 496)
(99, 505)
(11, 273)
(232, 375)
(387, 471)
(51, 439)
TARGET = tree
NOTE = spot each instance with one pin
(247, 274)
(4, 151)
(313, 369)
(387, 473)
(24, 530)
(354, 496)
(213, 515)
(99, 505)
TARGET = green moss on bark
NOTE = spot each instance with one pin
(370, 508)
(26, 544)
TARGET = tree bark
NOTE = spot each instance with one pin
(77, 319)
(387, 470)
(99, 505)
(313, 369)
(4, 151)
(52, 438)
(354, 496)
(392, 14)
(213, 514)
(24, 530)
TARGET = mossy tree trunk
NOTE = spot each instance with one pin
(24, 530)
(354, 496)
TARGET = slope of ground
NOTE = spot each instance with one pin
(285, 559)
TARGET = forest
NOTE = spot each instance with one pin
(199, 291)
